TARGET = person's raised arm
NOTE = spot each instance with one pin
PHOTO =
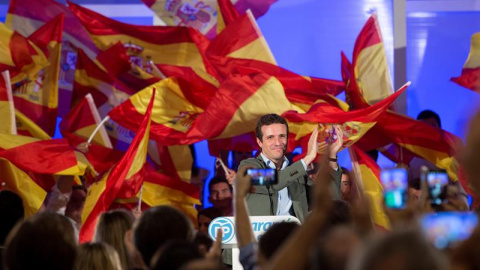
(294, 253)
(243, 227)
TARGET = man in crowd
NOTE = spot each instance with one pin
(288, 197)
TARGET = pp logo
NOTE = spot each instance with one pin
(227, 227)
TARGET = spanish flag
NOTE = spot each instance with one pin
(470, 77)
(242, 39)
(27, 16)
(37, 97)
(117, 63)
(372, 188)
(82, 120)
(7, 110)
(355, 124)
(181, 46)
(175, 109)
(369, 70)
(54, 157)
(129, 171)
(107, 92)
(236, 106)
(20, 182)
(19, 55)
(208, 17)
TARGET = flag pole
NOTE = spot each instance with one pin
(139, 205)
(157, 71)
(219, 160)
(98, 128)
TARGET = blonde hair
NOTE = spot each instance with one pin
(95, 256)
(111, 228)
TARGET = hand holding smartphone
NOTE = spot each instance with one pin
(395, 187)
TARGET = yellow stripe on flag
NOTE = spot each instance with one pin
(374, 191)
(269, 98)
(19, 182)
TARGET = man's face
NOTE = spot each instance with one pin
(203, 222)
(345, 185)
(274, 141)
(220, 196)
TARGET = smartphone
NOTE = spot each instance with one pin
(262, 177)
(395, 187)
(445, 229)
(437, 187)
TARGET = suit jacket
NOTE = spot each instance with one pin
(264, 201)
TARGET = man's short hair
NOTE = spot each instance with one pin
(426, 114)
(219, 179)
(267, 120)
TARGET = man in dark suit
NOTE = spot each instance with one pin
(288, 197)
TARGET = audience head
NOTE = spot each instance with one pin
(398, 250)
(111, 228)
(334, 249)
(97, 256)
(11, 211)
(158, 225)
(45, 241)
(273, 238)
(174, 254)
(205, 216)
(340, 214)
(430, 117)
(221, 193)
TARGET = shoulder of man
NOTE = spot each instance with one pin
(256, 162)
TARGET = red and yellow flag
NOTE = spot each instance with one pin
(107, 92)
(82, 120)
(372, 188)
(7, 110)
(19, 55)
(242, 39)
(179, 119)
(27, 16)
(205, 16)
(128, 172)
(369, 74)
(37, 97)
(21, 183)
(470, 77)
(355, 124)
(181, 46)
(54, 157)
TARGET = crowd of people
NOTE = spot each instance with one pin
(336, 230)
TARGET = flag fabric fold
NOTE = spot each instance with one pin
(126, 176)
(7, 109)
(470, 77)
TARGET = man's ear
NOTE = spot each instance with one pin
(259, 142)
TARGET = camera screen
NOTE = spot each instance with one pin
(395, 186)
(262, 176)
(437, 182)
